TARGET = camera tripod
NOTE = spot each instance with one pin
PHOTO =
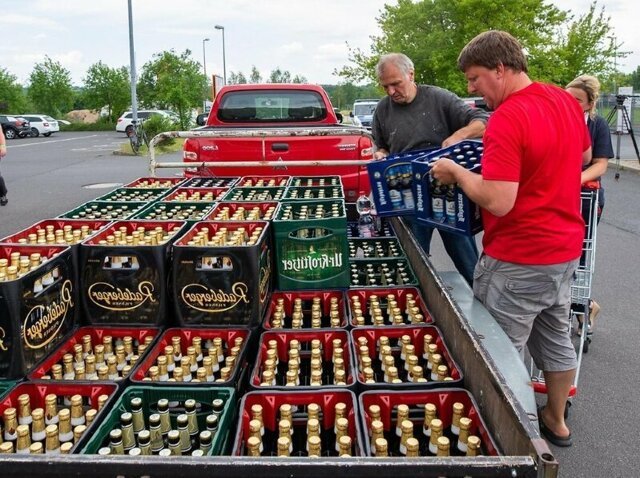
(626, 126)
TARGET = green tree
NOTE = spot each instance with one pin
(236, 78)
(634, 79)
(279, 76)
(50, 88)
(12, 98)
(110, 87)
(172, 81)
(299, 79)
(255, 76)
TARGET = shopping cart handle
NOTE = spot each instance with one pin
(591, 185)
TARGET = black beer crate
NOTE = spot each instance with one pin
(271, 402)
(239, 211)
(285, 301)
(381, 273)
(385, 230)
(106, 210)
(281, 342)
(224, 285)
(142, 340)
(254, 194)
(126, 285)
(37, 309)
(264, 181)
(191, 212)
(204, 397)
(92, 398)
(133, 195)
(189, 194)
(315, 181)
(210, 182)
(153, 182)
(311, 249)
(370, 337)
(448, 207)
(363, 302)
(313, 193)
(443, 400)
(375, 248)
(236, 373)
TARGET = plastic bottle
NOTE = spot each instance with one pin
(365, 221)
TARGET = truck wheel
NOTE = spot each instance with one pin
(35, 133)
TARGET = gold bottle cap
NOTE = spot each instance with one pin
(6, 447)
(102, 399)
(413, 447)
(283, 445)
(36, 448)
(382, 447)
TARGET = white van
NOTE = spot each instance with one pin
(42, 124)
(362, 113)
(123, 125)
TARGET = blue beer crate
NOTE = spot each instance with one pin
(447, 207)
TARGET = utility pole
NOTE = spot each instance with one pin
(132, 66)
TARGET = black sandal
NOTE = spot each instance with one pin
(550, 436)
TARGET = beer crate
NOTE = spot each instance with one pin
(381, 273)
(399, 339)
(391, 181)
(223, 285)
(105, 210)
(191, 212)
(364, 302)
(375, 248)
(254, 194)
(315, 181)
(97, 396)
(311, 249)
(448, 207)
(301, 403)
(153, 182)
(6, 385)
(281, 342)
(188, 194)
(264, 181)
(37, 309)
(85, 342)
(313, 193)
(126, 285)
(133, 195)
(280, 314)
(387, 402)
(210, 182)
(234, 376)
(176, 396)
(385, 230)
(242, 211)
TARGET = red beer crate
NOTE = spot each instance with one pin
(238, 211)
(443, 399)
(145, 337)
(363, 298)
(283, 302)
(186, 194)
(381, 374)
(57, 228)
(306, 376)
(153, 182)
(325, 400)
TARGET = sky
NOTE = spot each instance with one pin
(305, 37)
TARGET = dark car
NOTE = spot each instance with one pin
(15, 127)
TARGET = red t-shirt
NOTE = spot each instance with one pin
(536, 138)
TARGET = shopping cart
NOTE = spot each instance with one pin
(579, 324)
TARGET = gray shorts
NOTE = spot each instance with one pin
(532, 305)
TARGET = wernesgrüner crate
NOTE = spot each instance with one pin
(105, 210)
(381, 273)
(319, 309)
(311, 245)
(391, 181)
(190, 212)
(198, 357)
(202, 417)
(124, 273)
(447, 207)
(133, 195)
(222, 273)
(375, 248)
(186, 194)
(243, 211)
(263, 181)
(315, 181)
(403, 358)
(306, 359)
(311, 193)
(387, 307)
(152, 182)
(326, 415)
(210, 182)
(38, 304)
(254, 194)
(97, 353)
(67, 412)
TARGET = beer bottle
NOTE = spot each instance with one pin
(212, 423)
(437, 200)
(165, 420)
(155, 432)
(463, 435)
(78, 431)
(254, 431)
(402, 414)
(205, 439)
(174, 442)
(183, 428)
(473, 445)
(37, 425)
(436, 432)
(137, 415)
(377, 432)
(24, 409)
(23, 441)
(190, 411)
(380, 447)
(340, 411)
(284, 446)
(413, 448)
(314, 445)
(344, 445)
(407, 432)
(342, 429)
(90, 416)
(254, 446)
(65, 433)
(36, 448)
(6, 447)
(144, 442)
(126, 425)
(458, 412)
(115, 442)
(443, 446)
(450, 204)
(10, 424)
(77, 413)
(313, 429)
(285, 430)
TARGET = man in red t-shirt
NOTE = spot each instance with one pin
(535, 144)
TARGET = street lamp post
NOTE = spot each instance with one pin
(132, 67)
(204, 64)
(224, 55)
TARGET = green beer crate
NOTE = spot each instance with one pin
(134, 195)
(237, 194)
(309, 181)
(310, 193)
(105, 210)
(176, 396)
(311, 245)
(180, 211)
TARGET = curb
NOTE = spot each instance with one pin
(632, 165)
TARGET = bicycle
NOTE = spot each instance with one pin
(137, 136)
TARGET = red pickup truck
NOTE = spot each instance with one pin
(252, 107)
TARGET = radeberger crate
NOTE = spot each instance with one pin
(105, 210)
(187, 194)
(381, 273)
(254, 194)
(311, 245)
(210, 182)
(190, 212)
(133, 195)
(311, 309)
(243, 211)
(38, 304)
(222, 273)
(375, 248)
(153, 182)
(124, 273)
(263, 181)
(315, 181)
(387, 307)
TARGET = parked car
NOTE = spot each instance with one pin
(14, 127)
(124, 125)
(42, 124)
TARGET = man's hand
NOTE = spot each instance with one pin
(380, 154)
(453, 139)
(444, 170)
